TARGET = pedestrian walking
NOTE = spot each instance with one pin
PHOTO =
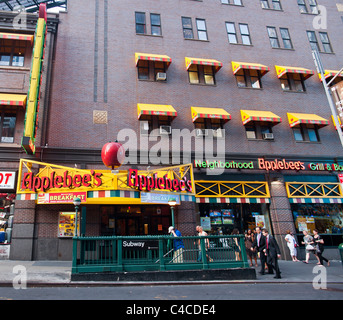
(259, 245)
(202, 233)
(272, 252)
(292, 245)
(249, 241)
(310, 246)
(319, 247)
(178, 245)
(236, 246)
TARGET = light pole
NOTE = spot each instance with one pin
(172, 203)
(76, 202)
(320, 70)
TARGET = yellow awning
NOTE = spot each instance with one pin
(7, 99)
(330, 73)
(17, 36)
(339, 121)
(236, 66)
(206, 62)
(153, 57)
(261, 116)
(295, 119)
(282, 70)
(211, 113)
(156, 110)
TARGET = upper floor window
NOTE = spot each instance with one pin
(201, 74)
(248, 78)
(292, 82)
(7, 126)
(324, 38)
(12, 52)
(234, 2)
(306, 133)
(271, 4)
(155, 23)
(308, 6)
(243, 37)
(274, 38)
(200, 28)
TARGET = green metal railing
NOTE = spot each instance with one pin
(157, 253)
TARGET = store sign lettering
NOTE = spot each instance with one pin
(221, 164)
(325, 167)
(154, 182)
(7, 180)
(35, 183)
(280, 165)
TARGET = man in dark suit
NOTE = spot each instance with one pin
(272, 252)
(259, 244)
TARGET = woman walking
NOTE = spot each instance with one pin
(310, 246)
(249, 240)
(292, 245)
(319, 247)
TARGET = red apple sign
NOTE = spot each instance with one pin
(113, 154)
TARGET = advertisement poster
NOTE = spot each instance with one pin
(65, 197)
(66, 224)
(260, 222)
(205, 222)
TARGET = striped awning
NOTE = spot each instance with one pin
(153, 57)
(316, 200)
(236, 66)
(330, 73)
(282, 70)
(295, 119)
(210, 113)
(231, 200)
(205, 62)
(17, 36)
(261, 116)
(7, 99)
(156, 110)
(339, 121)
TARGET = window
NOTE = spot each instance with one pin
(200, 74)
(258, 130)
(188, 28)
(248, 78)
(140, 23)
(155, 24)
(271, 4)
(311, 35)
(7, 127)
(232, 34)
(274, 39)
(12, 52)
(292, 82)
(212, 127)
(201, 27)
(307, 133)
(324, 38)
(308, 6)
(152, 124)
(147, 70)
(286, 39)
(233, 2)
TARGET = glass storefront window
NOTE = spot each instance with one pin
(223, 218)
(326, 218)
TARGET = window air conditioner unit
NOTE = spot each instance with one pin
(201, 132)
(268, 136)
(219, 133)
(161, 76)
(165, 129)
(145, 127)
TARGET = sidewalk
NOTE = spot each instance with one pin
(57, 273)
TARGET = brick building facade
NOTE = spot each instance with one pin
(97, 82)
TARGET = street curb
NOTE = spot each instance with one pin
(31, 284)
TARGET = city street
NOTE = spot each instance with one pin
(206, 293)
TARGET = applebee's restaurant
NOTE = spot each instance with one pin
(111, 203)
